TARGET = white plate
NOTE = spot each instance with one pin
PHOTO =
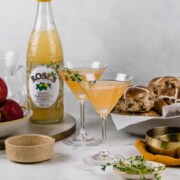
(10, 127)
(138, 176)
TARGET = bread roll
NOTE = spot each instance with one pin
(165, 90)
(135, 99)
(159, 103)
(159, 85)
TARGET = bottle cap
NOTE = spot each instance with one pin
(43, 0)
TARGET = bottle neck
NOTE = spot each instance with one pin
(44, 18)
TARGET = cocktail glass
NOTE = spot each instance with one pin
(104, 94)
(72, 73)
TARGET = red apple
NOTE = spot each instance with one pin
(10, 110)
(3, 90)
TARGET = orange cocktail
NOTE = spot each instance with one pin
(84, 73)
(103, 95)
(74, 73)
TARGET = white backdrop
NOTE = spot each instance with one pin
(140, 37)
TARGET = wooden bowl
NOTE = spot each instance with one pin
(30, 148)
(164, 140)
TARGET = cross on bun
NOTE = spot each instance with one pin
(159, 85)
(166, 91)
(135, 99)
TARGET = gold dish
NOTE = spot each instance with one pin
(164, 140)
(30, 148)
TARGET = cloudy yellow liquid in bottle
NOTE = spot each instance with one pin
(44, 85)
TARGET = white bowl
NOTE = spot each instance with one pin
(9, 127)
(138, 176)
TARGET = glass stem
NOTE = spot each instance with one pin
(82, 116)
(104, 145)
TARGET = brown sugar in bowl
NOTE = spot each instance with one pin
(29, 148)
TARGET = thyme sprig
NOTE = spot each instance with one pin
(73, 75)
(136, 165)
(91, 83)
(55, 66)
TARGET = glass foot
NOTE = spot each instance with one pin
(82, 140)
(102, 159)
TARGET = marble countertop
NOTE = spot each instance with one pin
(68, 163)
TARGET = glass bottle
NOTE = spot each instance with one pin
(44, 85)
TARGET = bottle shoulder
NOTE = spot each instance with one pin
(44, 47)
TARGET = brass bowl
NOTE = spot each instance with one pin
(164, 140)
(174, 137)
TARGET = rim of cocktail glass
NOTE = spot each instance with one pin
(118, 77)
(121, 77)
(84, 64)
